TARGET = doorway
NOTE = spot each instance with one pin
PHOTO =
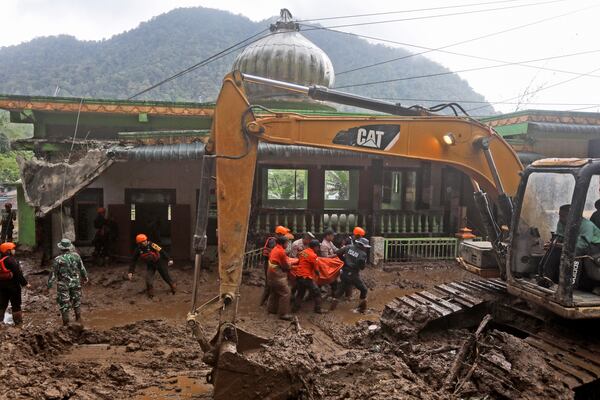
(150, 213)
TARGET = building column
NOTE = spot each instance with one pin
(377, 182)
(25, 220)
(316, 188)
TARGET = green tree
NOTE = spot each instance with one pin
(9, 170)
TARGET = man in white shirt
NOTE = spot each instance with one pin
(328, 249)
(301, 244)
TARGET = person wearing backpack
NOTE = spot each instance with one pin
(68, 272)
(151, 254)
(11, 282)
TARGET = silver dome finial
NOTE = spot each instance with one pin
(285, 22)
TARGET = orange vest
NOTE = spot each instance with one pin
(307, 264)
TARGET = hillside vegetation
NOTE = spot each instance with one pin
(128, 62)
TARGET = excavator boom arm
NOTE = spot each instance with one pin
(238, 127)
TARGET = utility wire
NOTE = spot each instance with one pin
(441, 49)
(539, 90)
(202, 63)
(406, 78)
(442, 15)
(487, 102)
(406, 11)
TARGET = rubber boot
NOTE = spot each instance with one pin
(150, 291)
(333, 305)
(65, 318)
(78, 314)
(17, 317)
(296, 304)
(173, 288)
(318, 309)
(362, 306)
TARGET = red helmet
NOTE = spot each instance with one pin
(101, 210)
(358, 231)
(141, 238)
(6, 247)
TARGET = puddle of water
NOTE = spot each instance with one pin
(183, 388)
(99, 352)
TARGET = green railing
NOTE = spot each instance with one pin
(413, 249)
(253, 258)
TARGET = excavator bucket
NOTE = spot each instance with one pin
(238, 376)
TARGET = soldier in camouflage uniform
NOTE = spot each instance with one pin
(68, 272)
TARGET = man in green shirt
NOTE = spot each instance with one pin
(589, 233)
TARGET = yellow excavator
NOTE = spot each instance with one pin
(519, 207)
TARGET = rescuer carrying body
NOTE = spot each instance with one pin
(270, 243)
(355, 260)
(151, 254)
(328, 249)
(305, 274)
(277, 280)
(68, 272)
(7, 220)
(11, 281)
(301, 244)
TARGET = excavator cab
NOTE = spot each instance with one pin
(554, 249)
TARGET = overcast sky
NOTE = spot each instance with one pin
(22, 20)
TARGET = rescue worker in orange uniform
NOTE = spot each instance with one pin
(270, 243)
(11, 282)
(151, 254)
(306, 273)
(277, 280)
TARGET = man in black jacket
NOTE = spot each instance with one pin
(11, 281)
(355, 260)
(151, 254)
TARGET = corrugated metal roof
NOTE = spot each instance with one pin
(195, 151)
(548, 127)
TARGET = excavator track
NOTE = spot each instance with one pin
(411, 314)
(462, 304)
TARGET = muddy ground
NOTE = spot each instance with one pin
(133, 347)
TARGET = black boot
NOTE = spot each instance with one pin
(362, 306)
(150, 291)
(18, 317)
(318, 309)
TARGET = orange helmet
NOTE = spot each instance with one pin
(358, 231)
(141, 238)
(6, 247)
(282, 230)
(101, 210)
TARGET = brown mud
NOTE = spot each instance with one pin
(133, 347)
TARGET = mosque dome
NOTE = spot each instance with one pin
(285, 55)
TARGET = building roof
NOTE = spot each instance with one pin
(562, 117)
(103, 106)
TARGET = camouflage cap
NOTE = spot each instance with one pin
(65, 244)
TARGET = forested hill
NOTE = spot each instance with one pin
(124, 64)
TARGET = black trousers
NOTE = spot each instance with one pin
(351, 279)
(304, 285)
(162, 270)
(12, 295)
